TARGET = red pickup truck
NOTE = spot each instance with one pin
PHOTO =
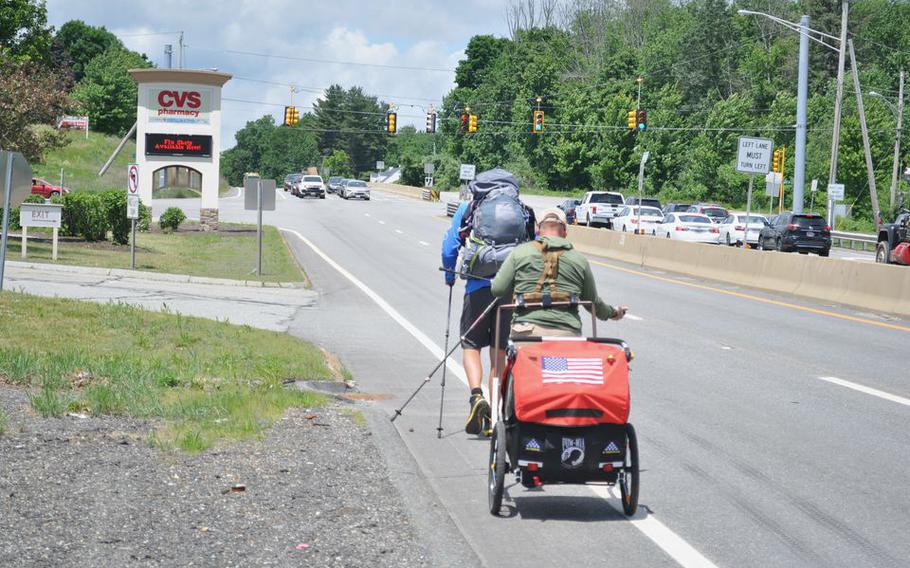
(47, 190)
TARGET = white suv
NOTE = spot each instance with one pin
(310, 185)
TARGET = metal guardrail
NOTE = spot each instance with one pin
(844, 239)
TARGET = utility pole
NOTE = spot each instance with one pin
(168, 53)
(835, 139)
(873, 193)
(180, 52)
(638, 104)
(897, 140)
(802, 98)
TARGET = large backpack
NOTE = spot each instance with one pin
(495, 223)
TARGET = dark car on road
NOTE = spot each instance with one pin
(568, 207)
(714, 212)
(800, 232)
(645, 201)
(334, 184)
(291, 180)
(677, 208)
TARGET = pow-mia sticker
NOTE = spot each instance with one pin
(573, 452)
(533, 445)
(612, 448)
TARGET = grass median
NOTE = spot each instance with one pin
(203, 380)
(229, 252)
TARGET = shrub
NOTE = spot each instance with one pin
(34, 198)
(114, 202)
(145, 217)
(13, 218)
(171, 219)
(85, 215)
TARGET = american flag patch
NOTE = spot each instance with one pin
(584, 370)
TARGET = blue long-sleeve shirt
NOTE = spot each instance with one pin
(451, 244)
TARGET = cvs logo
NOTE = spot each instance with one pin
(190, 99)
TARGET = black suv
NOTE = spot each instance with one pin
(801, 232)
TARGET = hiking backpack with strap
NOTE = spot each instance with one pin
(545, 290)
(494, 225)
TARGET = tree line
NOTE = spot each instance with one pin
(45, 73)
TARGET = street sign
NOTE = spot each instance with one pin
(429, 167)
(754, 155)
(466, 172)
(251, 195)
(814, 185)
(21, 178)
(773, 182)
(380, 165)
(132, 206)
(41, 215)
(836, 191)
(132, 176)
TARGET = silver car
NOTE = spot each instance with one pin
(355, 189)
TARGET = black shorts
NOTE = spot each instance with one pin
(483, 333)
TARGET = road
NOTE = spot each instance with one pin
(773, 430)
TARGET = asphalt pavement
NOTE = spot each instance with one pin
(772, 428)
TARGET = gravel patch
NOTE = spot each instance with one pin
(92, 492)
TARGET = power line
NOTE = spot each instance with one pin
(324, 89)
(326, 61)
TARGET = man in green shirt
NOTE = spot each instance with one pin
(549, 269)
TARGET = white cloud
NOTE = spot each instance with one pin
(409, 33)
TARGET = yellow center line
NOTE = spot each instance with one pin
(755, 298)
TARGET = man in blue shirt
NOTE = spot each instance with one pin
(477, 298)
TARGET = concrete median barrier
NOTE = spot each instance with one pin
(874, 287)
(404, 190)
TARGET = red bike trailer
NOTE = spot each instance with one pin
(562, 408)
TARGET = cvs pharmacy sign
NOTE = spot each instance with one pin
(179, 105)
(180, 99)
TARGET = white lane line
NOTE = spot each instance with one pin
(661, 535)
(633, 317)
(424, 243)
(399, 231)
(382, 222)
(668, 541)
(434, 349)
(282, 195)
(867, 390)
(366, 214)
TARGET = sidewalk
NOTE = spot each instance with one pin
(263, 305)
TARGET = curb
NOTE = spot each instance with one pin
(153, 276)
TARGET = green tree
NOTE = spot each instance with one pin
(338, 163)
(288, 150)
(480, 54)
(30, 95)
(24, 33)
(247, 154)
(81, 43)
(107, 93)
(351, 121)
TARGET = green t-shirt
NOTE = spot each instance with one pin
(522, 269)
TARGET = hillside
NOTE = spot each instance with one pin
(81, 160)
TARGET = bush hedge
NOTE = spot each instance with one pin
(171, 218)
(91, 215)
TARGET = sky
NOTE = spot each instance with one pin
(406, 33)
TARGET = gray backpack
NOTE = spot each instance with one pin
(496, 222)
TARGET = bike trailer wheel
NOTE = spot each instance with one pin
(497, 474)
(629, 476)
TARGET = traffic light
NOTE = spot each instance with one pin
(775, 161)
(538, 121)
(632, 120)
(642, 119)
(431, 122)
(391, 122)
(472, 123)
(291, 115)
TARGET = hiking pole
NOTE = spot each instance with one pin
(445, 358)
(465, 274)
(442, 392)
